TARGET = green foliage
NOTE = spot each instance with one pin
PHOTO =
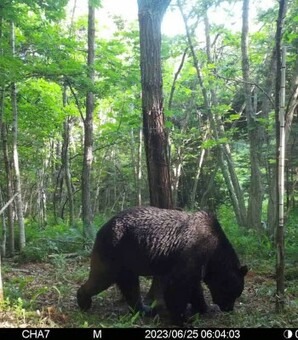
(16, 289)
(249, 243)
(291, 235)
(95, 3)
(55, 239)
(41, 99)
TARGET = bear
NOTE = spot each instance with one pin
(180, 249)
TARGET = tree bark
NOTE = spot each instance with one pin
(139, 169)
(8, 175)
(197, 176)
(41, 199)
(1, 284)
(88, 131)
(155, 137)
(17, 175)
(204, 203)
(291, 142)
(3, 235)
(267, 106)
(7, 166)
(177, 166)
(9, 189)
(280, 145)
(67, 125)
(280, 246)
(3, 246)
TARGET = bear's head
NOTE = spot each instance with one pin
(226, 286)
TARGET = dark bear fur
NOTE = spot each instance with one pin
(181, 249)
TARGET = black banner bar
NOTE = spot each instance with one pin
(148, 334)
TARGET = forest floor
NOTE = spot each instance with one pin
(44, 295)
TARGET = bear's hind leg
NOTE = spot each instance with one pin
(129, 286)
(99, 280)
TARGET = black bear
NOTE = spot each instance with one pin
(181, 249)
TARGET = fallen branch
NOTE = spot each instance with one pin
(69, 255)
(19, 270)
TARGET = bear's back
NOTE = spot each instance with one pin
(152, 240)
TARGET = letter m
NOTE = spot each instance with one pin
(97, 334)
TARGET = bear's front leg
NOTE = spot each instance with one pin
(176, 290)
(198, 303)
(129, 284)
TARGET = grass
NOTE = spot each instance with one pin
(40, 285)
(42, 295)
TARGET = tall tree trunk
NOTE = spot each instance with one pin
(3, 235)
(177, 166)
(291, 143)
(17, 175)
(293, 103)
(273, 186)
(88, 130)
(57, 175)
(198, 173)
(204, 202)
(224, 150)
(1, 284)
(280, 246)
(4, 231)
(41, 198)
(136, 156)
(134, 150)
(280, 146)
(67, 125)
(9, 189)
(139, 168)
(155, 136)
(266, 108)
(7, 166)
(256, 192)
(3, 246)
(67, 174)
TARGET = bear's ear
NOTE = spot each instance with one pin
(243, 270)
